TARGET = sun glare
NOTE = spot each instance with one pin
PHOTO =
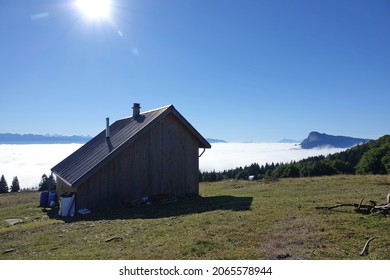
(95, 9)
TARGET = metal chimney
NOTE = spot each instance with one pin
(136, 109)
(107, 127)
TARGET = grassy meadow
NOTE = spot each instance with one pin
(231, 220)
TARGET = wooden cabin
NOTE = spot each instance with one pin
(147, 154)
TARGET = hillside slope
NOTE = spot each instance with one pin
(231, 220)
(370, 158)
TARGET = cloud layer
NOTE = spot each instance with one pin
(29, 162)
(223, 156)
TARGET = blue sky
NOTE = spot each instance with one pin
(251, 70)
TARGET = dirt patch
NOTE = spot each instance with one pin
(293, 237)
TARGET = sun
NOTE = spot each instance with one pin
(94, 9)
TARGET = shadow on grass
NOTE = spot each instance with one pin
(181, 207)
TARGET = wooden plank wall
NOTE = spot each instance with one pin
(63, 187)
(163, 161)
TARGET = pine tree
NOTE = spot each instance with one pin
(3, 185)
(52, 184)
(15, 187)
(47, 183)
(43, 185)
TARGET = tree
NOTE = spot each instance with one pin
(43, 184)
(242, 175)
(47, 183)
(253, 169)
(386, 162)
(342, 167)
(15, 187)
(201, 179)
(286, 171)
(3, 185)
(372, 162)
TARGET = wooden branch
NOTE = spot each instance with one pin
(115, 238)
(337, 205)
(364, 252)
(383, 207)
(362, 208)
(360, 204)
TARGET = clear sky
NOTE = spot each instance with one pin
(252, 70)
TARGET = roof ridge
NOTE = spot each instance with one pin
(146, 112)
(163, 107)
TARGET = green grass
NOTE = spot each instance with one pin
(232, 220)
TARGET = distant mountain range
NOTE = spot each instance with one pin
(288, 141)
(10, 138)
(316, 140)
(211, 140)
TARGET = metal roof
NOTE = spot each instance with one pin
(84, 162)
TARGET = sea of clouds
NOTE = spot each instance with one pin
(30, 162)
(223, 156)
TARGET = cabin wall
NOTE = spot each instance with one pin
(163, 161)
(62, 187)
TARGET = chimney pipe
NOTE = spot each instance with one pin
(136, 109)
(107, 128)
